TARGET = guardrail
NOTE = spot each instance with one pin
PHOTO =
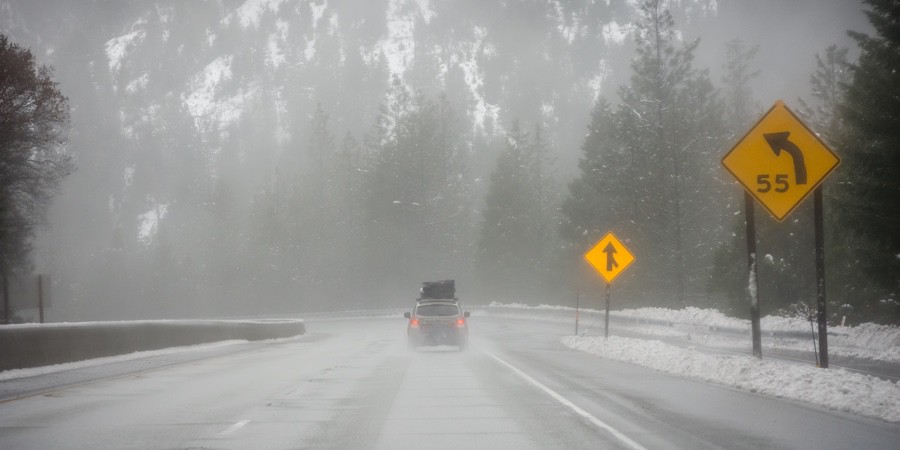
(23, 346)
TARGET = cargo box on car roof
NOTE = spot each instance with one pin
(433, 290)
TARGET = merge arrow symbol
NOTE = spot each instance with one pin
(778, 142)
(610, 251)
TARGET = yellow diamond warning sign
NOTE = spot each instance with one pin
(609, 257)
(780, 161)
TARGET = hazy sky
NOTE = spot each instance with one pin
(789, 34)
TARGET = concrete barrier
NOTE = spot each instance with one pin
(23, 346)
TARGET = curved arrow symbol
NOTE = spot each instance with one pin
(610, 251)
(779, 141)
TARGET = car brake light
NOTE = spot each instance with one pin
(414, 322)
(460, 322)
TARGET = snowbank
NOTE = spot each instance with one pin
(832, 388)
(688, 316)
(867, 341)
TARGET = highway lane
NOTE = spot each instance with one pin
(352, 383)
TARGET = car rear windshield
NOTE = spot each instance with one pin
(437, 310)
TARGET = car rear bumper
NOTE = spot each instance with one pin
(429, 334)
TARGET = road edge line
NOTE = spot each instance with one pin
(566, 402)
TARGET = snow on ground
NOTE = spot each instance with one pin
(206, 101)
(250, 12)
(833, 388)
(117, 47)
(866, 341)
(689, 315)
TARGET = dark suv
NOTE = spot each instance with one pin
(437, 322)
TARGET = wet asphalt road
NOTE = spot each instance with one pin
(353, 383)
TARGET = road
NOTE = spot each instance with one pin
(352, 383)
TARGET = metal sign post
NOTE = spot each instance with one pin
(820, 277)
(606, 328)
(577, 299)
(753, 277)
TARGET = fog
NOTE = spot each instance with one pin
(266, 157)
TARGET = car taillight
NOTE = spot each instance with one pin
(414, 322)
(460, 322)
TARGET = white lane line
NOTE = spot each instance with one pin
(599, 423)
(235, 427)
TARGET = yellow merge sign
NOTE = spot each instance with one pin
(609, 257)
(780, 161)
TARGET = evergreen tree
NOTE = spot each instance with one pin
(598, 200)
(350, 168)
(829, 84)
(668, 130)
(416, 191)
(348, 194)
(740, 107)
(870, 148)
(541, 166)
(317, 234)
(728, 277)
(509, 255)
(669, 98)
(321, 145)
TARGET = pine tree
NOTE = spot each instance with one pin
(509, 245)
(870, 148)
(541, 166)
(740, 107)
(829, 85)
(728, 277)
(667, 131)
(598, 199)
(321, 143)
(416, 190)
